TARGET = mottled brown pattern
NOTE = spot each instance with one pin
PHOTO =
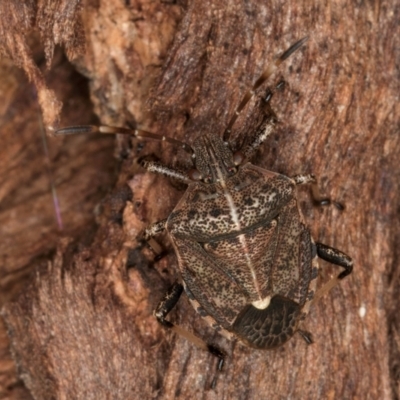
(232, 255)
(291, 269)
(270, 327)
(220, 296)
(261, 243)
(204, 218)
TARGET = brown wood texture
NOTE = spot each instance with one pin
(83, 327)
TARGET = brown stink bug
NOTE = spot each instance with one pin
(246, 258)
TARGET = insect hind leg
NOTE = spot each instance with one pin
(307, 336)
(335, 257)
(165, 306)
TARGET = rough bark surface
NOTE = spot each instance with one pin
(83, 327)
(79, 171)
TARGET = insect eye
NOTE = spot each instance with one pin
(232, 170)
(195, 175)
(208, 179)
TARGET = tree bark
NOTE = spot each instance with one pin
(83, 326)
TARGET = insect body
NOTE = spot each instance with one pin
(246, 258)
(244, 253)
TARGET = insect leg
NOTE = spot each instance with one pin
(158, 168)
(310, 179)
(307, 336)
(265, 129)
(336, 257)
(263, 78)
(164, 308)
(140, 134)
(153, 230)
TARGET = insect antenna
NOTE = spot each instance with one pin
(264, 76)
(113, 130)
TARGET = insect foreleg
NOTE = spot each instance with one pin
(265, 129)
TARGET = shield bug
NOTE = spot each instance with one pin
(247, 261)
